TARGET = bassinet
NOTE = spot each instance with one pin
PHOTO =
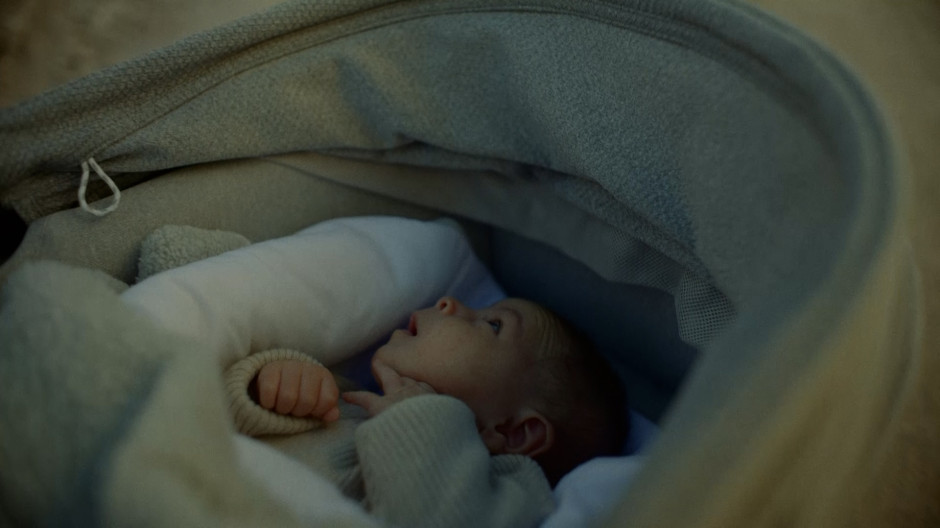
(694, 182)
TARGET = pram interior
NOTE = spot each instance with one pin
(674, 176)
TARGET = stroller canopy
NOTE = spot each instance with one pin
(700, 148)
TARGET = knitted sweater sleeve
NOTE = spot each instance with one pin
(424, 464)
(251, 418)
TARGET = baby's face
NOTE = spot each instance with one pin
(478, 356)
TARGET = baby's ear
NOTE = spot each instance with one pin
(528, 433)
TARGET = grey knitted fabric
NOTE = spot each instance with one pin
(172, 246)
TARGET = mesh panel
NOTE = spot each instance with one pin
(702, 311)
(637, 263)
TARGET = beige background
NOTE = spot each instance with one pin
(44, 43)
(893, 44)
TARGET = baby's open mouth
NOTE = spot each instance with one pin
(413, 325)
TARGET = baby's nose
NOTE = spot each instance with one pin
(449, 305)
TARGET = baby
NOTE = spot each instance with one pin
(533, 386)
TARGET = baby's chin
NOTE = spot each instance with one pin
(394, 357)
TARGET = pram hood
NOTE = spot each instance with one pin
(702, 148)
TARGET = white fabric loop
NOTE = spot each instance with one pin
(83, 186)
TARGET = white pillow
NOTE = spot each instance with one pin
(590, 491)
(333, 288)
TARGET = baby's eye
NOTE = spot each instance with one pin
(496, 325)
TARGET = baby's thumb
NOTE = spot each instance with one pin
(332, 415)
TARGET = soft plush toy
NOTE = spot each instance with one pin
(172, 246)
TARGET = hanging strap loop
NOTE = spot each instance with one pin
(87, 167)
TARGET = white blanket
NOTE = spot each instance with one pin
(335, 288)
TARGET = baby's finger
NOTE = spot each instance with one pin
(288, 390)
(365, 399)
(328, 396)
(309, 390)
(411, 387)
(425, 387)
(268, 381)
(331, 416)
(388, 379)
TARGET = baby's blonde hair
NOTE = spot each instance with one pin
(583, 398)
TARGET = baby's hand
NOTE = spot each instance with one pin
(394, 386)
(298, 388)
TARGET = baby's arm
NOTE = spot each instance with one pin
(424, 464)
(295, 393)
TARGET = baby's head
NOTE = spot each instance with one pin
(535, 384)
